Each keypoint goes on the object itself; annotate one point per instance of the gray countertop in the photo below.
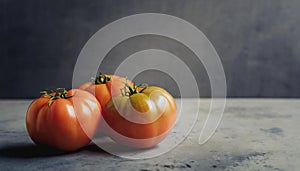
(254, 134)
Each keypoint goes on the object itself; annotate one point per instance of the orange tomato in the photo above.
(141, 117)
(104, 87)
(63, 119)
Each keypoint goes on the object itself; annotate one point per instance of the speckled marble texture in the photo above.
(254, 134)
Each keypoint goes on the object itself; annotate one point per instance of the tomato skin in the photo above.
(58, 124)
(104, 92)
(129, 127)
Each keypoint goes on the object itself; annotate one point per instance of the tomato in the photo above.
(63, 119)
(140, 117)
(104, 87)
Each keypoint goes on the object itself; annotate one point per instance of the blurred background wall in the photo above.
(258, 43)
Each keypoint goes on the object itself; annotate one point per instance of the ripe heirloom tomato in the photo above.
(63, 119)
(141, 117)
(104, 87)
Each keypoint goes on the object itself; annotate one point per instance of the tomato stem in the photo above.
(129, 90)
(59, 93)
(101, 79)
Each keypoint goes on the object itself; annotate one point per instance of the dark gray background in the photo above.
(258, 43)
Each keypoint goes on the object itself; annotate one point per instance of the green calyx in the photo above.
(59, 93)
(101, 79)
(129, 90)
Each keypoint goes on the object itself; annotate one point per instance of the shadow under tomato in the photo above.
(122, 149)
(30, 151)
(33, 151)
(93, 148)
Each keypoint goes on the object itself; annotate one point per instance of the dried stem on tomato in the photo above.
(129, 90)
(59, 93)
(101, 79)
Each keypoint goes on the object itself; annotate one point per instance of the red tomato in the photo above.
(63, 119)
(104, 87)
(141, 117)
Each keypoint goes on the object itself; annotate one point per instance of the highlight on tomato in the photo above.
(141, 117)
(53, 118)
(104, 86)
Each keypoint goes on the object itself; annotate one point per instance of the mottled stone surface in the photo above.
(254, 134)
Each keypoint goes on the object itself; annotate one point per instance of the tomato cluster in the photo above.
(140, 116)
